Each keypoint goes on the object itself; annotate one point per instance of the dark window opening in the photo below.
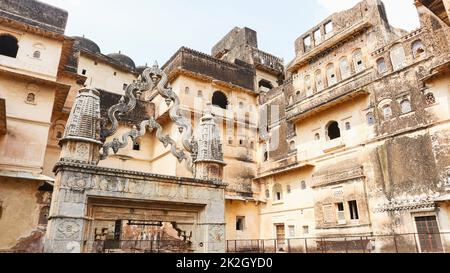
(1, 209)
(83, 72)
(59, 135)
(267, 194)
(354, 214)
(240, 223)
(333, 131)
(219, 99)
(288, 189)
(266, 156)
(118, 230)
(241, 142)
(136, 147)
(265, 85)
(9, 46)
(125, 86)
(43, 215)
(31, 98)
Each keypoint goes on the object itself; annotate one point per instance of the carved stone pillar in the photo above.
(80, 145)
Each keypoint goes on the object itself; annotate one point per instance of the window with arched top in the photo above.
(265, 85)
(9, 45)
(277, 192)
(200, 93)
(186, 90)
(370, 119)
(292, 146)
(387, 112)
(331, 75)
(37, 54)
(219, 99)
(381, 65)
(31, 98)
(348, 126)
(398, 57)
(333, 130)
(303, 185)
(308, 85)
(406, 106)
(418, 48)
(344, 66)
(358, 61)
(317, 137)
(319, 80)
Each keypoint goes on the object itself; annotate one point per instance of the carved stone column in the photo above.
(80, 145)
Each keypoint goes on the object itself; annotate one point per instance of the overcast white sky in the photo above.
(148, 30)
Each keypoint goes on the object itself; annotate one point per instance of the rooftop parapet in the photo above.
(239, 73)
(36, 14)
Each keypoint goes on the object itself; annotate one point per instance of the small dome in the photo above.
(123, 59)
(84, 43)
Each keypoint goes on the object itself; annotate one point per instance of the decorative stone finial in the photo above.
(80, 142)
(209, 161)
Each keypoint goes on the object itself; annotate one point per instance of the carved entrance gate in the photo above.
(97, 209)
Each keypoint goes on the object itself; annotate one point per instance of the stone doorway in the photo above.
(141, 227)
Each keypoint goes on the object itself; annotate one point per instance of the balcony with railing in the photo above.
(338, 93)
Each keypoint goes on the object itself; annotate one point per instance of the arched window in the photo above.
(200, 93)
(319, 80)
(398, 57)
(267, 194)
(43, 215)
(381, 64)
(303, 185)
(9, 45)
(37, 54)
(418, 48)
(370, 119)
(219, 99)
(345, 68)
(358, 61)
(31, 98)
(265, 85)
(333, 130)
(292, 145)
(265, 156)
(317, 137)
(348, 126)
(277, 192)
(331, 75)
(430, 99)
(406, 106)
(387, 112)
(186, 91)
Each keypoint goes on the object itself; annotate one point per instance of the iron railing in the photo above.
(397, 243)
(139, 246)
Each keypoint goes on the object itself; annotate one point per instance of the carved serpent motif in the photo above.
(149, 79)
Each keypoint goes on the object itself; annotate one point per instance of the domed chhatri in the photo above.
(123, 59)
(86, 44)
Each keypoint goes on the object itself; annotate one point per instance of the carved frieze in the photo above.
(409, 203)
(346, 175)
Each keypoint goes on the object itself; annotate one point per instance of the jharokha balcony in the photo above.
(343, 91)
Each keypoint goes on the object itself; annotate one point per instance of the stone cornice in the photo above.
(90, 169)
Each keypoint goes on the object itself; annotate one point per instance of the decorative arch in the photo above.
(9, 45)
(219, 99)
(358, 61)
(381, 65)
(333, 130)
(277, 192)
(344, 67)
(331, 75)
(418, 49)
